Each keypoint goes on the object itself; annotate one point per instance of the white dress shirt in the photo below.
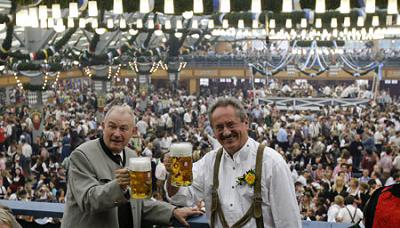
(279, 205)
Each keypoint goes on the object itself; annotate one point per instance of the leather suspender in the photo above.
(255, 209)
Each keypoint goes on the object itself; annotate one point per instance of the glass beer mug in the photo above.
(181, 162)
(140, 173)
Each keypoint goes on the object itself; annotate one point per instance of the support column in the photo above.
(193, 86)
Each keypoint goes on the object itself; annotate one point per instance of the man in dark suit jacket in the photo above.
(98, 194)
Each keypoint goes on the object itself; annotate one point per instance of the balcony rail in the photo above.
(56, 210)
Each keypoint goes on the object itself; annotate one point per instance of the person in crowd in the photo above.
(98, 194)
(350, 213)
(226, 197)
(334, 209)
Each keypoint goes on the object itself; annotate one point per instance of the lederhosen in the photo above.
(255, 209)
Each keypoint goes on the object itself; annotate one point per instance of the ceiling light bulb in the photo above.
(370, 6)
(287, 6)
(169, 7)
(73, 10)
(43, 12)
(110, 23)
(118, 7)
(256, 6)
(320, 6)
(92, 9)
(224, 6)
(198, 6)
(56, 11)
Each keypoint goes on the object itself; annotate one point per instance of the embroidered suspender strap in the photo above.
(215, 204)
(255, 209)
(257, 188)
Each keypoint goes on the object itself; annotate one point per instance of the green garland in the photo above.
(30, 87)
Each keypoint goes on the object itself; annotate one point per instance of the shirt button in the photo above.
(231, 205)
(233, 168)
(233, 187)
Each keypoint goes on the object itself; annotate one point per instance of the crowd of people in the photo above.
(337, 156)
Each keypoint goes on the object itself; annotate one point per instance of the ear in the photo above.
(246, 121)
(103, 125)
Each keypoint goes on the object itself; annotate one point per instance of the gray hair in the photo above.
(121, 109)
(225, 102)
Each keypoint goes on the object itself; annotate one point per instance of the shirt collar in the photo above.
(110, 154)
(242, 154)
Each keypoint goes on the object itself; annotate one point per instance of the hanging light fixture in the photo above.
(288, 23)
(370, 6)
(73, 10)
(144, 6)
(210, 24)
(198, 6)
(95, 23)
(303, 23)
(92, 9)
(50, 22)
(56, 11)
(240, 24)
(389, 19)
(33, 17)
(345, 6)
(272, 24)
(43, 12)
(195, 24)
(375, 21)
(360, 21)
(139, 23)
(43, 24)
(179, 24)
(70, 22)
(110, 23)
(225, 23)
(334, 23)
(150, 24)
(318, 23)
(224, 6)
(122, 23)
(346, 22)
(167, 24)
(254, 24)
(21, 17)
(256, 6)
(82, 22)
(118, 7)
(169, 7)
(287, 6)
(392, 7)
(320, 6)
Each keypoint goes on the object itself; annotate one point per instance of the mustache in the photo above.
(231, 135)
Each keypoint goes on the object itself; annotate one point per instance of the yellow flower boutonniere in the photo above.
(248, 178)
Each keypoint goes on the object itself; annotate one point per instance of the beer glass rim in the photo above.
(146, 160)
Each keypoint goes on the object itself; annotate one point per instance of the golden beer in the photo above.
(140, 174)
(181, 162)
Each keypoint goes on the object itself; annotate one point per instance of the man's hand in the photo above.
(122, 177)
(182, 213)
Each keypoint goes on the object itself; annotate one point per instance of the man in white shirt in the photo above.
(350, 213)
(334, 209)
(279, 206)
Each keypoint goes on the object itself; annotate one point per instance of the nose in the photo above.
(226, 131)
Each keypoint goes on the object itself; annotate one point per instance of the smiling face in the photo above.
(118, 129)
(229, 129)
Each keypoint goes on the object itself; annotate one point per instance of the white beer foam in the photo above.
(181, 149)
(140, 164)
